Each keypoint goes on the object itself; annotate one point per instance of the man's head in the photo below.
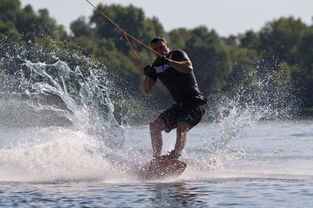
(160, 45)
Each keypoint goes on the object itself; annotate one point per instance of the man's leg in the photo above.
(182, 130)
(156, 127)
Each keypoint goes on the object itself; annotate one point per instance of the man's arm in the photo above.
(150, 78)
(148, 84)
(180, 61)
(181, 66)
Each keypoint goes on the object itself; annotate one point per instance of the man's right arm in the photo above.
(150, 78)
(148, 84)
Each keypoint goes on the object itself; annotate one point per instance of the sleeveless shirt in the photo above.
(183, 87)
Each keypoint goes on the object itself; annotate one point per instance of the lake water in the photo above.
(62, 146)
(266, 164)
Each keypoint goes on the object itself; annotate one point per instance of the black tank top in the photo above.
(183, 87)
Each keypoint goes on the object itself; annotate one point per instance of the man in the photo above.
(175, 71)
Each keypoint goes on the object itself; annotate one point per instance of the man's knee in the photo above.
(182, 128)
(157, 125)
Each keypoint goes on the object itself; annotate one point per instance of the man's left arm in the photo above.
(180, 61)
(181, 66)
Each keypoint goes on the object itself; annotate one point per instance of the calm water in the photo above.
(266, 164)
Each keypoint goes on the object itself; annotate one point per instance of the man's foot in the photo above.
(173, 154)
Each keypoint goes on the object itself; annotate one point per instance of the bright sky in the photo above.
(225, 16)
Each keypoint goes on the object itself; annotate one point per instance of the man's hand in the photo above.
(150, 72)
(161, 60)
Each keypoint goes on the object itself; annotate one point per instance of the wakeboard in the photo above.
(161, 168)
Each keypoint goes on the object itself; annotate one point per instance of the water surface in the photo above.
(268, 165)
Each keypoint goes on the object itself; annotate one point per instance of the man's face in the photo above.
(161, 48)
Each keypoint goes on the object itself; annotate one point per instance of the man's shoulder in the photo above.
(179, 55)
(178, 52)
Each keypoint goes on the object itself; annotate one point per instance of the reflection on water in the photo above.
(175, 195)
(214, 193)
(178, 194)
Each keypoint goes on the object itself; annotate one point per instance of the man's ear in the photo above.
(168, 46)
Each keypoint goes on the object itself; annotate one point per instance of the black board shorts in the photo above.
(177, 113)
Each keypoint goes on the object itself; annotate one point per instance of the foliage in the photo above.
(282, 48)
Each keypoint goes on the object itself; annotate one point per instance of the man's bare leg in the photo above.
(182, 130)
(156, 127)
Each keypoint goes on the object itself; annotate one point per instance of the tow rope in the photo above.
(126, 35)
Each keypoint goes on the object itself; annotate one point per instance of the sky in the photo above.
(224, 16)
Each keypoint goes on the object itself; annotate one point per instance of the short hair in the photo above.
(158, 39)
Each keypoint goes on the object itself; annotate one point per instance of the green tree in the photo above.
(281, 39)
(130, 18)
(210, 58)
(304, 77)
(25, 23)
(80, 28)
(178, 38)
(250, 40)
(9, 10)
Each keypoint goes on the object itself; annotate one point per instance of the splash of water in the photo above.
(87, 101)
(90, 143)
(262, 98)
(79, 133)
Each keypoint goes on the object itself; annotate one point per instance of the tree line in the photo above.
(282, 48)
